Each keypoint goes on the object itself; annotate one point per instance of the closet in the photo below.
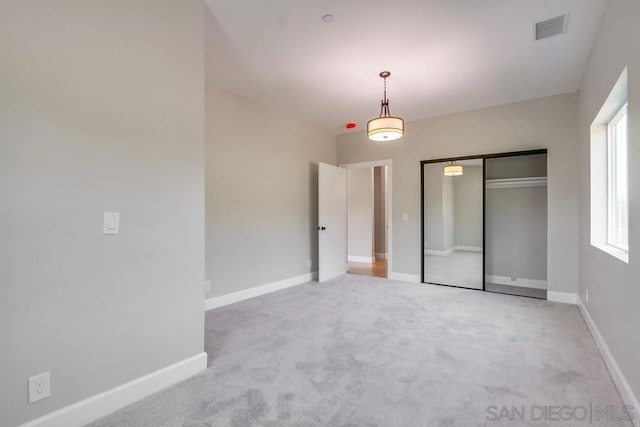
(516, 225)
(484, 222)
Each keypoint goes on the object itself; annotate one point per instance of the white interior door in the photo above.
(332, 222)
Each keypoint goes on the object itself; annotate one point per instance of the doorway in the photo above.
(368, 219)
(332, 219)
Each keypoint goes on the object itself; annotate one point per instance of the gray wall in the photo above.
(434, 234)
(613, 285)
(360, 212)
(261, 188)
(540, 123)
(101, 109)
(467, 191)
(516, 232)
(516, 219)
(453, 208)
(534, 165)
(380, 209)
(448, 212)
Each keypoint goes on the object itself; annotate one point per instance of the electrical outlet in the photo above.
(39, 387)
(586, 296)
(309, 263)
(207, 286)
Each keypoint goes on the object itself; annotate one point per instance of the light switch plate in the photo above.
(111, 223)
(405, 217)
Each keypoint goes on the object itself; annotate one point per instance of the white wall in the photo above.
(101, 109)
(261, 187)
(614, 287)
(360, 213)
(540, 123)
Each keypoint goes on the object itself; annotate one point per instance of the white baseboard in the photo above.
(94, 407)
(356, 258)
(246, 294)
(468, 248)
(439, 253)
(404, 277)
(381, 255)
(626, 393)
(564, 297)
(523, 283)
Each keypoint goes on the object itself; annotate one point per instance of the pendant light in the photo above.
(453, 169)
(385, 127)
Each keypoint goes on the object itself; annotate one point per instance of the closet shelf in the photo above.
(536, 181)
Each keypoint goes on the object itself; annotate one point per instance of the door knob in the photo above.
(322, 228)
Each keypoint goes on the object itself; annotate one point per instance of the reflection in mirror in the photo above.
(453, 223)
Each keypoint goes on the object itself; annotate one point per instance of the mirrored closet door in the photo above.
(453, 223)
(484, 222)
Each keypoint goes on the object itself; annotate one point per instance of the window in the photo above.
(617, 182)
(609, 174)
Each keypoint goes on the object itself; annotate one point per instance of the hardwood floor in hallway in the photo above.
(377, 269)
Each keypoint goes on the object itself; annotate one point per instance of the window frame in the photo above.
(612, 187)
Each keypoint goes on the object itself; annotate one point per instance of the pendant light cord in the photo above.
(384, 104)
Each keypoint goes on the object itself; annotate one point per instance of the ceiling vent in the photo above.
(551, 27)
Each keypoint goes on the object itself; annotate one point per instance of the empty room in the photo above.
(319, 213)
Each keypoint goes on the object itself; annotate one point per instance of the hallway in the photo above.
(377, 269)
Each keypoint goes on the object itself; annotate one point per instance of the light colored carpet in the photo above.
(516, 290)
(363, 351)
(460, 268)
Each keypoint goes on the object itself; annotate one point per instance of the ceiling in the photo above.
(445, 56)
